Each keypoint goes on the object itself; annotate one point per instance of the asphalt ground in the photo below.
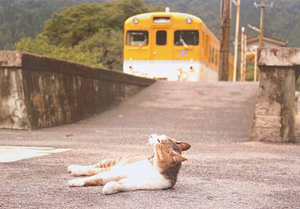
(223, 170)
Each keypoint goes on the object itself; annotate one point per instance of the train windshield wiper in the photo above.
(144, 42)
(183, 42)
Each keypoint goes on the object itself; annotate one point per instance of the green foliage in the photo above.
(25, 18)
(74, 24)
(81, 22)
(250, 72)
(90, 33)
(42, 46)
(107, 45)
(103, 49)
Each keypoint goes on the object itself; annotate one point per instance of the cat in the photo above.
(135, 172)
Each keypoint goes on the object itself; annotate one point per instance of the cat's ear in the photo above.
(183, 146)
(178, 158)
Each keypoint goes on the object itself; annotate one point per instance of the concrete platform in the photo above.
(223, 170)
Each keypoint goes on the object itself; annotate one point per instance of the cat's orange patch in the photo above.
(120, 182)
(93, 182)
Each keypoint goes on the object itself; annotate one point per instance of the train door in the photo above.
(161, 53)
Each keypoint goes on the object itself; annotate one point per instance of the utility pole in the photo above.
(255, 63)
(224, 44)
(237, 25)
(253, 50)
(243, 54)
(262, 19)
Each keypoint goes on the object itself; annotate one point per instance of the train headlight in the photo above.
(188, 20)
(135, 20)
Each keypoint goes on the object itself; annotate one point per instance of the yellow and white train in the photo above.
(172, 46)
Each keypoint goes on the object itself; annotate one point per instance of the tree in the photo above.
(41, 45)
(81, 22)
(90, 33)
(25, 18)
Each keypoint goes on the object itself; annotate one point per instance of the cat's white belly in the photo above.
(141, 172)
(138, 175)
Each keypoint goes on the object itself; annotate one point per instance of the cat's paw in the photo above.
(77, 170)
(76, 183)
(110, 187)
(72, 167)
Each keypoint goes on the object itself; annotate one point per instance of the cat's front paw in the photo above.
(110, 187)
(77, 170)
(72, 167)
(76, 183)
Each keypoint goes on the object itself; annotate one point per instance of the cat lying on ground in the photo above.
(134, 172)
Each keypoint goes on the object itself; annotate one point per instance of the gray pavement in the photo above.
(224, 169)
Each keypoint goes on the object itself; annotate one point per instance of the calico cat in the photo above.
(135, 172)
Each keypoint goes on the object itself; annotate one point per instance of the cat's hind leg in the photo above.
(77, 170)
(136, 183)
(103, 166)
(97, 180)
(86, 182)
(124, 185)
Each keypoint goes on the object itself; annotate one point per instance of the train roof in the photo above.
(176, 15)
(146, 20)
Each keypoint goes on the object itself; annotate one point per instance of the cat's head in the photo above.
(167, 151)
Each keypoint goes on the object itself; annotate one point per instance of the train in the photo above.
(172, 46)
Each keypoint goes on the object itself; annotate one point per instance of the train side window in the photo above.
(209, 53)
(203, 40)
(204, 43)
(216, 58)
(161, 37)
(206, 48)
(213, 55)
(137, 38)
(188, 37)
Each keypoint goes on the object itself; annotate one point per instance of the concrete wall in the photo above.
(274, 119)
(38, 91)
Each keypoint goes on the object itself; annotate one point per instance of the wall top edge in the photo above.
(10, 59)
(28, 61)
(279, 56)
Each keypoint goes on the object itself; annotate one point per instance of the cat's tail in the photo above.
(106, 164)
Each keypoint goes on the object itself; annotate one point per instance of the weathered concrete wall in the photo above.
(38, 91)
(274, 118)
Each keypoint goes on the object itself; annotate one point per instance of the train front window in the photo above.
(186, 37)
(137, 38)
(161, 37)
